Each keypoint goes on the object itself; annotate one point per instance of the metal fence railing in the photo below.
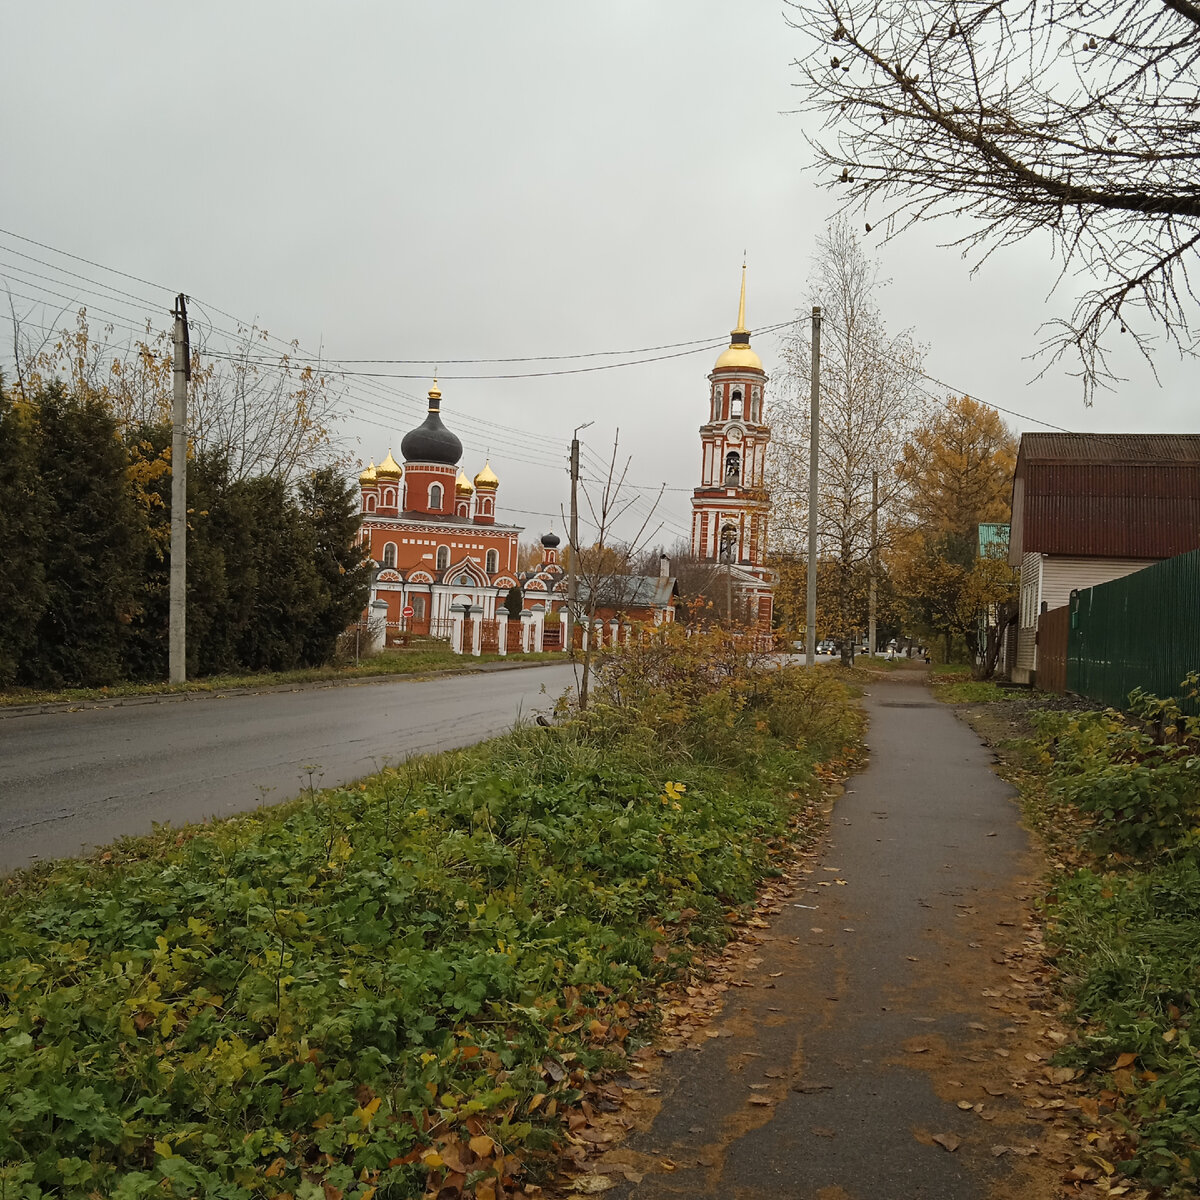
(1139, 631)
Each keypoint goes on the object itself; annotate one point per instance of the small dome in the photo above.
(389, 468)
(550, 540)
(487, 477)
(462, 485)
(368, 476)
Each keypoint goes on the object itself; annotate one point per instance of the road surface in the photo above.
(70, 780)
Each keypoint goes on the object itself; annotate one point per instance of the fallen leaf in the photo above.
(1124, 1060)
(482, 1145)
(947, 1141)
(965, 1105)
(592, 1185)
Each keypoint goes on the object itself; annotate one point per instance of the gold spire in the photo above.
(368, 476)
(741, 325)
(462, 485)
(435, 394)
(487, 477)
(389, 468)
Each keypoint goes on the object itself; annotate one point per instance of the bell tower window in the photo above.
(733, 467)
(728, 544)
(716, 402)
(735, 406)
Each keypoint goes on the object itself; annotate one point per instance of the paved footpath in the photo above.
(868, 1018)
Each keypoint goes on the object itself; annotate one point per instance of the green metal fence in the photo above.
(1140, 631)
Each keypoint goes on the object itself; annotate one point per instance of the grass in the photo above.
(1121, 911)
(414, 983)
(389, 662)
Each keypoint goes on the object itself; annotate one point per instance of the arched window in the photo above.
(492, 562)
(487, 506)
(389, 554)
(370, 504)
(435, 496)
(716, 405)
(443, 557)
(728, 543)
(735, 406)
(389, 498)
(733, 467)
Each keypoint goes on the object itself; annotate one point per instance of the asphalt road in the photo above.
(70, 780)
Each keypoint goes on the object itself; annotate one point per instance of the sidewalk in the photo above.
(883, 1042)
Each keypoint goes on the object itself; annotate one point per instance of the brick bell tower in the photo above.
(731, 505)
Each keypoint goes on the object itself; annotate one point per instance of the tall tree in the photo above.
(1024, 116)
(869, 400)
(956, 471)
(332, 519)
(24, 529)
(94, 548)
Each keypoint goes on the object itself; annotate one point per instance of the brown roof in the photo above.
(1155, 448)
(1125, 495)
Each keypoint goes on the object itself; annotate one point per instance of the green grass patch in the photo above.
(971, 691)
(415, 661)
(380, 990)
(1117, 799)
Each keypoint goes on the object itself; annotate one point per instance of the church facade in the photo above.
(433, 532)
(730, 507)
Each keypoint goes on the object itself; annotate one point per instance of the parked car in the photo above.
(828, 646)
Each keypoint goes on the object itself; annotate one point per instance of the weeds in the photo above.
(404, 987)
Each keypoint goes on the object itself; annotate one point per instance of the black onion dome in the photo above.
(550, 540)
(431, 441)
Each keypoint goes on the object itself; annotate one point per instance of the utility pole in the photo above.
(810, 639)
(573, 537)
(177, 639)
(874, 563)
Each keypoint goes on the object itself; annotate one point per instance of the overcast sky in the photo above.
(460, 180)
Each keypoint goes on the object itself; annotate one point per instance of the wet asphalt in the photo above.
(857, 992)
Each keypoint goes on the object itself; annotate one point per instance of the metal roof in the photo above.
(1150, 448)
(1127, 495)
(631, 591)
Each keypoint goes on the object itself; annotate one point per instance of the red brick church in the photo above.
(434, 532)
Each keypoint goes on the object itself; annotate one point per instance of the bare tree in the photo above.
(1078, 119)
(264, 416)
(605, 579)
(869, 401)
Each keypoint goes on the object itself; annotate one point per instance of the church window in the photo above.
(756, 408)
(735, 406)
(389, 498)
(435, 495)
(492, 563)
(733, 467)
(389, 554)
(418, 606)
(716, 404)
(443, 557)
(370, 504)
(728, 543)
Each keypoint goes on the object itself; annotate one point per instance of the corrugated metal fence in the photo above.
(1139, 631)
(1052, 638)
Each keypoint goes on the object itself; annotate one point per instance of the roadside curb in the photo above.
(64, 706)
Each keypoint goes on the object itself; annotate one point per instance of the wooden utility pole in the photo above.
(810, 637)
(177, 639)
(874, 562)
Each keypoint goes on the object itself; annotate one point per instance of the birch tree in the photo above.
(870, 400)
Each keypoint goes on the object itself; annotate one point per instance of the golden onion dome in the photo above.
(368, 476)
(487, 477)
(389, 468)
(739, 356)
(462, 485)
